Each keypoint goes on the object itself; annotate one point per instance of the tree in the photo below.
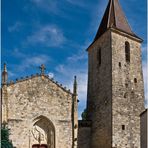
(5, 142)
(84, 114)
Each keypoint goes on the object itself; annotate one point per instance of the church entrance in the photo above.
(43, 133)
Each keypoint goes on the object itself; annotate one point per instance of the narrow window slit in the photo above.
(123, 127)
(126, 85)
(127, 52)
(120, 64)
(135, 80)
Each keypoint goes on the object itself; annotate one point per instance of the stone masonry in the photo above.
(115, 83)
(144, 129)
(127, 92)
(99, 93)
(40, 104)
(38, 110)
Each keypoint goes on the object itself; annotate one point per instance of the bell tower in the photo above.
(115, 96)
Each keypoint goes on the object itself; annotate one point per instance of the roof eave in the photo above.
(133, 36)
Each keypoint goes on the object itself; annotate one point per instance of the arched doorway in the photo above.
(43, 133)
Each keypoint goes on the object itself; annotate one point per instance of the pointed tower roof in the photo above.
(114, 18)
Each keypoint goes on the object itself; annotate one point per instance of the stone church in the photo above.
(41, 113)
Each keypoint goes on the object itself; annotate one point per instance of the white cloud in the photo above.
(55, 5)
(66, 74)
(82, 84)
(36, 60)
(82, 55)
(50, 36)
(15, 27)
(76, 57)
(47, 5)
(144, 48)
(17, 53)
(79, 3)
(32, 61)
(11, 74)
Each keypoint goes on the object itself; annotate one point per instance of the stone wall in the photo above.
(36, 98)
(144, 129)
(115, 91)
(127, 92)
(84, 134)
(99, 92)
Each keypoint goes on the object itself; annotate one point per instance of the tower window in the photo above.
(123, 127)
(135, 80)
(120, 64)
(126, 85)
(99, 56)
(127, 52)
(125, 95)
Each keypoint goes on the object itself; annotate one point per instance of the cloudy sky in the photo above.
(56, 33)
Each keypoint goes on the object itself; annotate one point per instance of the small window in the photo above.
(120, 64)
(123, 127)
(99, 56)
(127, 52)
(126, 85)
(125, 95)
(135, 80)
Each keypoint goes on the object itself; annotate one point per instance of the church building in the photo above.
(41, 113)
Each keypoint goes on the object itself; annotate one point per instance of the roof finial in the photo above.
(4, 75)
(75, 86)
(42, 68)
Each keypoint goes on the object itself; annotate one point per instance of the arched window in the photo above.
(127, 52)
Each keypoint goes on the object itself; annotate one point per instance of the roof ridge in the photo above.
(21, 79)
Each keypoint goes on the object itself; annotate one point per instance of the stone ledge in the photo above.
(84, 123)
(15, 120)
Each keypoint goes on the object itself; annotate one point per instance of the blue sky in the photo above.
(56, 33)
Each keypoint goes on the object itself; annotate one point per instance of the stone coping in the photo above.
(22, 79)
(84, 123)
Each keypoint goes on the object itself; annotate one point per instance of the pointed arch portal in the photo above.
(43, 133)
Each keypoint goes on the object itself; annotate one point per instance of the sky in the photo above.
(56, 33)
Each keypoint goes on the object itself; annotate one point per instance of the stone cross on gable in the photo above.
(42, 68)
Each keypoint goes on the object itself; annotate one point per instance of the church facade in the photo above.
(42, 113)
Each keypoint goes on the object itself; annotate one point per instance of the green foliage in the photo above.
(84, 115)
(5, 142)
